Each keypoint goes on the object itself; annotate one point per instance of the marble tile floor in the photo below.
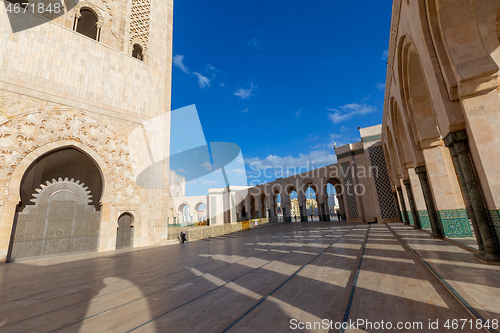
(253, 281)
(467, 241)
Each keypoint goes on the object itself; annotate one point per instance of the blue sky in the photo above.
(284, 80)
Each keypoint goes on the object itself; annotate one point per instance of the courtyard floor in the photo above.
(271, 279)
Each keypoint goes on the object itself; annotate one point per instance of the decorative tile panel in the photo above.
(455, 223)
(410, 216)
(352, 206)
(382, 183)
(424, 219)
(495, 222)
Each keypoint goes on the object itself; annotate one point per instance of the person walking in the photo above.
(183, 237)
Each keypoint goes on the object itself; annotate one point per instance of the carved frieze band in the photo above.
(23, 134)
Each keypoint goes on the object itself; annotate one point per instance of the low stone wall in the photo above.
(195, 233)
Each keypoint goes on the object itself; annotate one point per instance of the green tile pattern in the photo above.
(424, 219)
(495, 222)
(402, 216)
(410, 217)
(455, 223)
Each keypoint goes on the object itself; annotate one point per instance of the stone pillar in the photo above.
(340, 199)
(413, 208)
(321, 212)
(468, 204)
(398, 207)
(458, 142)
(326, 209)
(403, 206)
(303, 217)
(437, 228)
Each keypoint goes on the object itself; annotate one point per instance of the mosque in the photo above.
(85, 169)
(85, 110)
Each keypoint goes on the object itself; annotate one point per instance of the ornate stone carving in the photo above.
(139, 23)
(23, 134)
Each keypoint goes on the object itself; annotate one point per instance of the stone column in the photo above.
(398, 208)
(437, 228)
(468, 204)
(342, 205)
(458, 140)
(303, 217)
(403, 206)
(326, 209)
(285, 218)
(321, 212)
(413, 208)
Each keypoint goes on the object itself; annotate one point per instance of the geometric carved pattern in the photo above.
(382, 184)
(60, 221)
(21, 135)
(139, 22)
(352, 206)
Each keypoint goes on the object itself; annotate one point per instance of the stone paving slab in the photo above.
(477, 283)
(258, 283)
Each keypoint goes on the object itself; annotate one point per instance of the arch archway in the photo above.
(184, 214)
(293, 205)
(125, 231)
(308, 203)
(58, 211)
(86, 23)
(200, 212)
(333, 201)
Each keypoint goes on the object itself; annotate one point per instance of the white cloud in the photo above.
(297, 114)
(385, 55)
(311, 138)
(207, 166)
(177, 60)
(244, 93)
(238, 171)
(315, 158)
(208, 182)
(202, 80)
(347, 111)
(245, 111)
(380, 86)
(222, 84)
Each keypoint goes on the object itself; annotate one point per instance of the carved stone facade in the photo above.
(25, 133)
(61, 90)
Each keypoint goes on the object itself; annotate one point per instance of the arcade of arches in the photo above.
(441, 117)
(355, 189)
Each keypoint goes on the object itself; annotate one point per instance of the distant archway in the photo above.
(334, 205)
(200, 211)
